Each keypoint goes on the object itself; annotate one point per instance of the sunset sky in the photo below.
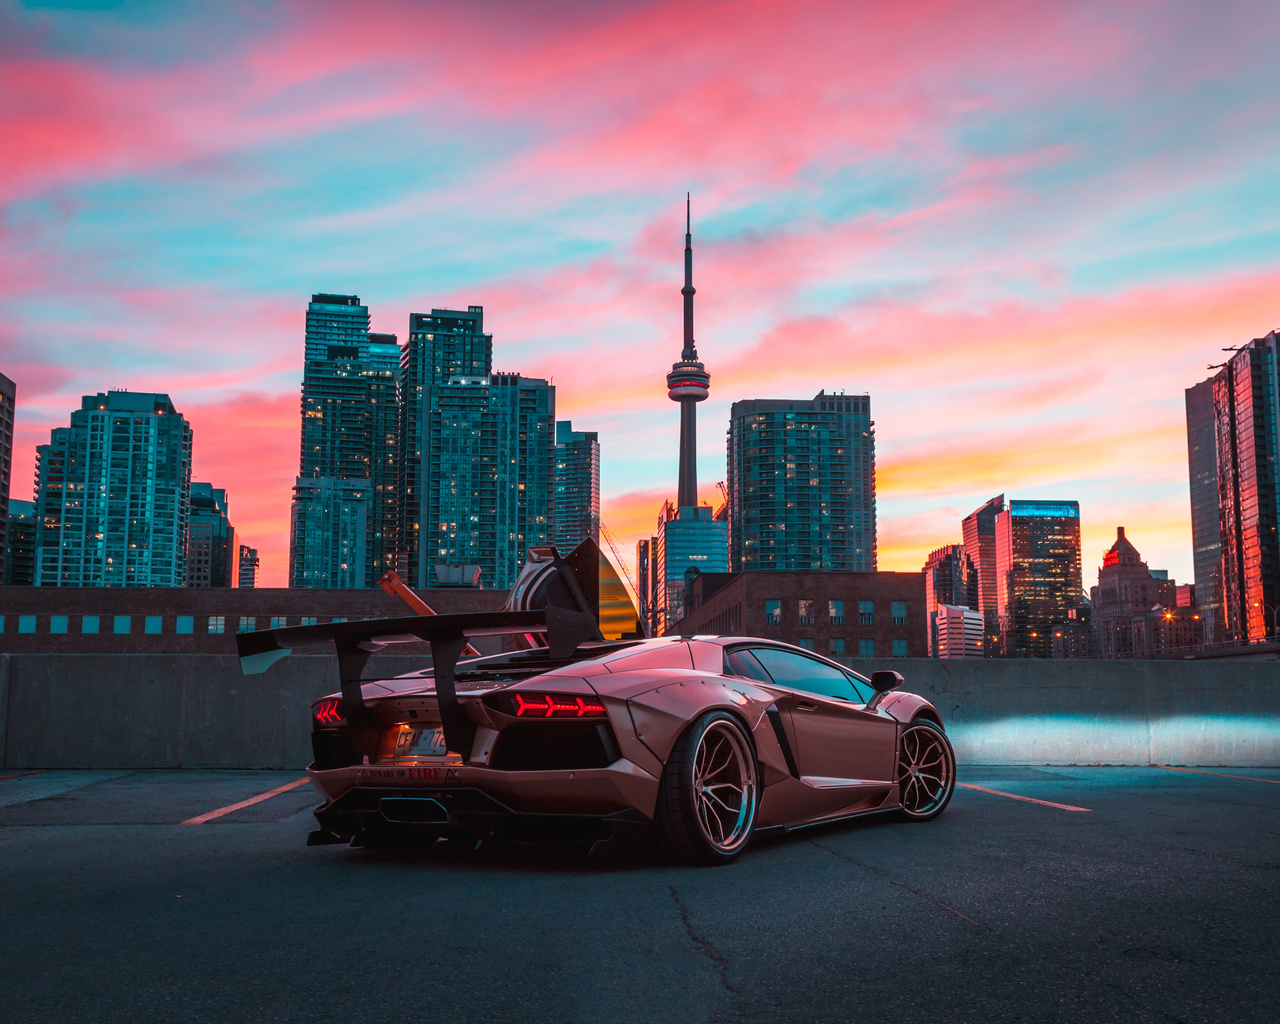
(1023, 228)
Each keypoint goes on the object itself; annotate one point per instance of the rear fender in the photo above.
(662, 714)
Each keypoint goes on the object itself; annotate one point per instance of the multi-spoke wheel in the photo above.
(710, 790)
(926, 770)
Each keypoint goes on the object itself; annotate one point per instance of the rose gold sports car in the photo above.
(706, 741)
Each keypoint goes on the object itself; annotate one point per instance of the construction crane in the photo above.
(396, 587)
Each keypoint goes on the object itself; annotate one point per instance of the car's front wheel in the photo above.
(710, 792)
(926, 770)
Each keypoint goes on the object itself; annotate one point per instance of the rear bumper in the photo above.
(442, 798)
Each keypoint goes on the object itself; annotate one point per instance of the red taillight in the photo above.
(552, 705)
(328, 712)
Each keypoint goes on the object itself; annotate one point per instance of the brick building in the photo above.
(191, 620)
(839, 614)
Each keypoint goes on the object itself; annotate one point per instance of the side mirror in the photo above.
(882, 682)
(886, 680)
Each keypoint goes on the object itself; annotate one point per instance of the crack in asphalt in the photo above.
(718, 958)
(893, 881)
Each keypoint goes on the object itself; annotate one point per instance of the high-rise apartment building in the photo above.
(8, 391)
(211, 539)
(1037, 573)
(1247, 435)
(20, 560)
(329, 533)
(348, 438)
(113, 494)
(443, 345)
(477, 454)
(802, 484)
(978, 532)
(1206, 534)
(576, 506)
(950, 579)
(248, 575)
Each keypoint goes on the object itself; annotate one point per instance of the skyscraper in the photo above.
(688, 537)
(348, 448)
(8, 391)
(978, 530)
(576, 508)
(478, 453)
(211, 539)
(950, 579)
(113, 494)
(1206, 535)
(802, 484)
(1247, 433)
(1037, 573)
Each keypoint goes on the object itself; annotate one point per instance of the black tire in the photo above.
(925, 791)
(699, 818)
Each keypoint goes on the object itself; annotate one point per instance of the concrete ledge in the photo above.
(197, 710)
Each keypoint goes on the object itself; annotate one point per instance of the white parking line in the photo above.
(200, 819)
(1028, 799)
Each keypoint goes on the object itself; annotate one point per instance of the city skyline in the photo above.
(1026, 253)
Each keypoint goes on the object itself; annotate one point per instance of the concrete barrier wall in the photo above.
(164, 711)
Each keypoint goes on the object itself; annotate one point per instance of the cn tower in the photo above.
(688, 382)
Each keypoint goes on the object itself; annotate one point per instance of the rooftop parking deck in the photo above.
(1047, 894)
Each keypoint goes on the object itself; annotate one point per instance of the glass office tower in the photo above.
(1037, 573)
(688, 538)
(20, 560)
(802, 484)
(1245, 396)
(8, 392)
(330, 523)
(576, 509)
(1206, 535)
(950, 578)
(113, 495)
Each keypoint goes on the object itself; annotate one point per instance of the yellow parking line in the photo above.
(1195, 771)
(1028, 799)
(200, 819)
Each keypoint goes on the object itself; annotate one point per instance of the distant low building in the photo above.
(1138, 612)
(842, 615)
(957, 632)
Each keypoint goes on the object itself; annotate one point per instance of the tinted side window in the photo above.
(808, 674)
(741, 663)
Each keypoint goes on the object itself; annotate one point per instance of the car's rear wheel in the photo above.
(926, 770)
(710, 792)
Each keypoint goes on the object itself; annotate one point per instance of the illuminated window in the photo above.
(279, 621)
(773, 613)
(866, 613)
(217, 623)
(248, 624)
(835, 611)
(805, 609)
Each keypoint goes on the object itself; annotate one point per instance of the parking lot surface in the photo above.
(1157, 898)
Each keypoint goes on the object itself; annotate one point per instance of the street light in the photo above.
(1273, 609)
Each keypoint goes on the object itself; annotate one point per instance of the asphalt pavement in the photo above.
(1156, 900)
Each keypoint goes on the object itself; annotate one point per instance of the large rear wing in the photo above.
(356, 642)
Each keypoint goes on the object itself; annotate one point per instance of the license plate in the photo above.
(419, 741)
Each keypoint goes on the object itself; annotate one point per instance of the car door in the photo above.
(837, 741)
